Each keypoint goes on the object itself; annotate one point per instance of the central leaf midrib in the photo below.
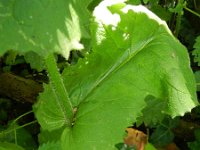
(119, 64)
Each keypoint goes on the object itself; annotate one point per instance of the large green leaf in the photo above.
(134, 57)
(43, 26)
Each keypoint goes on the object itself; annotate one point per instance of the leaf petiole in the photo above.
(56, 82)
(191, 11)
(19, 127)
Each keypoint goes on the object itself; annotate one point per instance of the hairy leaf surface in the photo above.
(50, 112)
(134, 57)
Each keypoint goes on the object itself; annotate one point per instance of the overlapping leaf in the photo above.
(50, 112)
(9, 146)
(42, 26)
(134, 57)
(21, 136)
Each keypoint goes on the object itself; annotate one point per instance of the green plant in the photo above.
(135, 61)
(196, 51)
(163, 134)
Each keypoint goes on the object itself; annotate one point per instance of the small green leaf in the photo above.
(10, 58)
(36, 61)
(153, 112)
(196, 51)
(145, 1)
(163, 134)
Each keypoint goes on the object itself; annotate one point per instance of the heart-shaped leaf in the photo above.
(134, 57)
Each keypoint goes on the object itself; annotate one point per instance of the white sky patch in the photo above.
(103, 15)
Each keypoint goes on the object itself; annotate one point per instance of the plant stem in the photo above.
(15, 133)
(191, 11)
(27, 113)
(178, 23)
(178, 20)
(19, 127)
(59, 89)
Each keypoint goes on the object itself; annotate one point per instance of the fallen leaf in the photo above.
(135, 137)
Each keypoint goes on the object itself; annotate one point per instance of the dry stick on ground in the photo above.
(18, 88)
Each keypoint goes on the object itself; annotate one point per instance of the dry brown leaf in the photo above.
(135, 137)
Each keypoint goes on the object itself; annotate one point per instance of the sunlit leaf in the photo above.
(43, 26)
(134, 57)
